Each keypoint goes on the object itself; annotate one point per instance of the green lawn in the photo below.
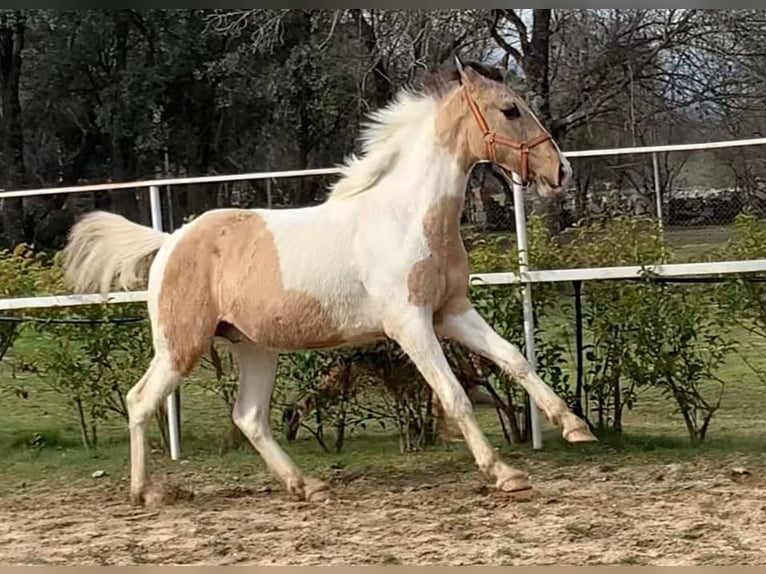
(40, 443)
(39, 437)
(689, 244)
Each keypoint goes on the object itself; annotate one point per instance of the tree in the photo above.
(12, 31)
(627, 77)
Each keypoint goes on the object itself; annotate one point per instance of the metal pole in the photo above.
(529, 319)
(268, 193)
(168, 196)
(174, 398)
(657, 189)
(578, 406)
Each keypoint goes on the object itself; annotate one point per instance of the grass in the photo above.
(690, 244)
(40, 445)
(39, 438)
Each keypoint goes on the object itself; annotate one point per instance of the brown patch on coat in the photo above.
(441, 279)
(223, 278)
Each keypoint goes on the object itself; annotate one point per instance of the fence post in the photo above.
(657, 187)
(529, 319)
(579, 409)
(173, 399)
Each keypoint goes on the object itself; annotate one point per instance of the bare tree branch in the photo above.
(493, 30)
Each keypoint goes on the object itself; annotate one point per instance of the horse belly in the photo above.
(291, 321)
(321, 312)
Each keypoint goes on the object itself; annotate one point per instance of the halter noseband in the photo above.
(491, 138)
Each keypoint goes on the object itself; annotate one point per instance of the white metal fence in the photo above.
(525, 276)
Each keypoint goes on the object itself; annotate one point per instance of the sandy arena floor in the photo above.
(661, 515)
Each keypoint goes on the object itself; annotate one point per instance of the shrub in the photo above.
(608, 311)
(91, 358)
(743, 299)
(679, 340)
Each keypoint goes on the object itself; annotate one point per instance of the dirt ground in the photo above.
(662, 515)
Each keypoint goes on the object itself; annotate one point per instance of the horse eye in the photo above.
(512, 112)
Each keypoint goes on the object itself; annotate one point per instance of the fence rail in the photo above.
(170, 182)
(336, 170)
(666, 148)
(46, 301)
(621, 272)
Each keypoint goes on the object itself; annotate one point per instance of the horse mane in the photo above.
(387, 128)
(381, 139)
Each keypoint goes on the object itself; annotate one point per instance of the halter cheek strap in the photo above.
(491, 139)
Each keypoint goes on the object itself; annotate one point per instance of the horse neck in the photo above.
(425, 175)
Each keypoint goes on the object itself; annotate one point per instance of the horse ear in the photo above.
(466, 74)
(504, 61)
(458, 63)
(460, 69)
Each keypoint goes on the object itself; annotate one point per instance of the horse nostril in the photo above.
(562, 174)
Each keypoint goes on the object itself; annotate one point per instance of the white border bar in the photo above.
(477, 279)
(169, 182)
(621, 272)
(665, 148)
(71, 300)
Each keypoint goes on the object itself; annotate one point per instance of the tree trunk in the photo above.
(345, 384)
(617, 403)
(12, 28)
(534, 59)
(690, 427)
(123, 157)
(430, 421)
(382, 90)
(536, 64)
(297, 33)
(83, 424)
(582, 182)
(702, 433)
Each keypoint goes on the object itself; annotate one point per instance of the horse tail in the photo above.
(103, 247)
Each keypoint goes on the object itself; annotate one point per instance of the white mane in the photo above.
(385, 135)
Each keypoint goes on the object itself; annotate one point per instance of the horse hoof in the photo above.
(512, 481)
(316, 490)
(511, 485)
(158, 494)
(579, 435)
(137, 498)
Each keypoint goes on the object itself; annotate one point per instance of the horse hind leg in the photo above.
(160, 379)
(258, 369)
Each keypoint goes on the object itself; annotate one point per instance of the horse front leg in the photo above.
(413, 331)
(469, 329)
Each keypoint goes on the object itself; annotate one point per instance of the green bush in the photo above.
(23, 272)
(745, 300)
(680, 338)
(91, 365)
(608, 312)
(639, 335)
(89, 355)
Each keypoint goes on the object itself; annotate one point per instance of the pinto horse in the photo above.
(382, 257)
